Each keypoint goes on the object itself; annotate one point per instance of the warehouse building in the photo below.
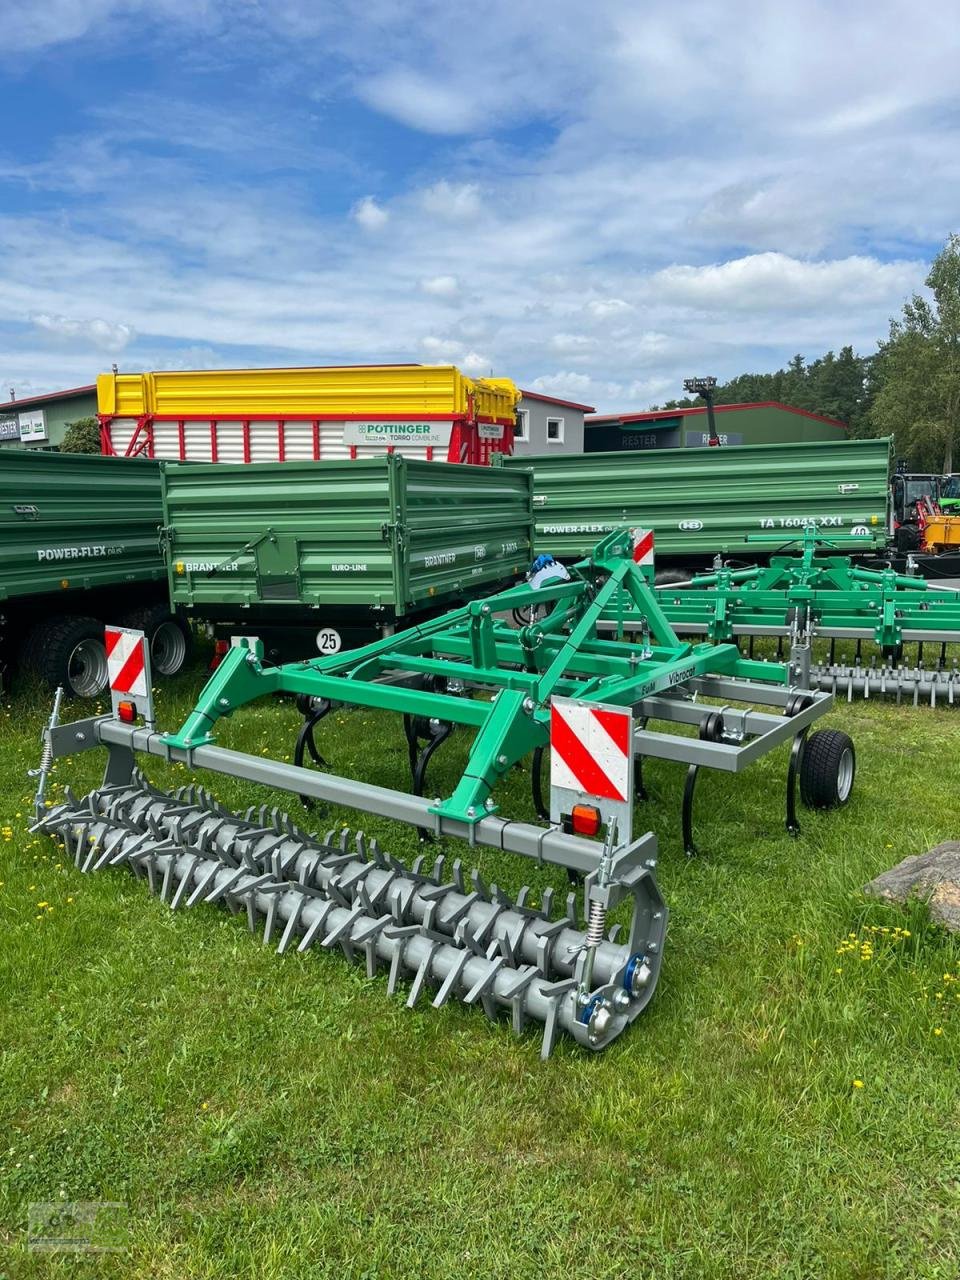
(39, 422)
(768, 422)
(546, 424)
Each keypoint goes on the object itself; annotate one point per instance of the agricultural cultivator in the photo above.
(554, 683)
(875, 633)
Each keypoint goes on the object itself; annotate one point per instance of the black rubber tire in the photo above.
(670, 577)
(828, 768)
(169, 652)
(68, 650)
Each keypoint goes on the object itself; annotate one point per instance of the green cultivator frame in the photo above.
(702, 705)
(815, 595)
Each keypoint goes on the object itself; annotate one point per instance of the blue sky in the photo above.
(595, 200)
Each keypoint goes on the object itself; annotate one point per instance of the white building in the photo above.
(548, 425)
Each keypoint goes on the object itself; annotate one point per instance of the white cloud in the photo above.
(603, 307)
(370, 215)
(776, 282)
(453, 201)
(474, 363)
(422, 103)
(441, 286)
(442, 348)
(100, 334)
(572, 343)
(565, 383)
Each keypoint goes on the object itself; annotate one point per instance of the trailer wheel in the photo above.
(68, 651)
(827, 769)
(170, 639)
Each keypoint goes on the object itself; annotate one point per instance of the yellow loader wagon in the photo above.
(431, 412)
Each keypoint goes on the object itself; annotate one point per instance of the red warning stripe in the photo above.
(131, 670)
(112, 639)
(617, 725)
(578, 760)
(643, 546)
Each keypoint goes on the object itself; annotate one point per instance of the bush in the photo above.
(82, 436)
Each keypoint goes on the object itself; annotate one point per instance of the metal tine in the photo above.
(400, 899)
(457, 873)
(422, 974)
(333, 891)
(312, 930)
(204, 884)
(451, 981)
(486, 929)
(223, 889)
(377, 855)
(436, 875)
(457, 913)
(476, 879)
(269, 918)
(344, 927)
(545, 943)
(167, 880)
(615, 933)
(91, 855)
(399, 938)
(555, 995)
(546, 902)
(573, 910)
(110, 850)
(345, 881)
(368, 940)
(378, 895)
(292, 924)
(481, 989)
(498, 895)
(184, 885)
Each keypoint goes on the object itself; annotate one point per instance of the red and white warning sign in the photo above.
(126, 660)
(128, 670)
(642, 546)
(590, 749)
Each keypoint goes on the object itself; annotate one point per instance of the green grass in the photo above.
(282, 1117)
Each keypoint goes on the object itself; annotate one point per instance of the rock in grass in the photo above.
(933, 876)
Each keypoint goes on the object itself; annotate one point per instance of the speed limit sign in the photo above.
(328, 641)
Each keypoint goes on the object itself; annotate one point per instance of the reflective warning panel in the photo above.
(128, 670)
(591, 760)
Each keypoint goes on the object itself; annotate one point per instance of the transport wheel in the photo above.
(827, 769)
(68, 651)
(170, 639)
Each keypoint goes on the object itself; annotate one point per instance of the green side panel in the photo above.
(79, 520)
(701, 501)
(762, 424)
(387, 531)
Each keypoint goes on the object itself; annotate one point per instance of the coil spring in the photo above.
(596, 923)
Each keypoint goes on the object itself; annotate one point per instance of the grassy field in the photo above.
(788, 1106)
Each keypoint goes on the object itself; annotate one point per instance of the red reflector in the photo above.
(127, 711)
(220, 647)
(585, 820)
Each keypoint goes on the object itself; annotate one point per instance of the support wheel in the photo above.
(169, 636)
(827, 769)
(69, 651)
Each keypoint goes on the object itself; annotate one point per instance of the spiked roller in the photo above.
(450, 939)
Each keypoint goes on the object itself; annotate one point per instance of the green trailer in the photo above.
(79, 548)
(319, 556)
(705, 502)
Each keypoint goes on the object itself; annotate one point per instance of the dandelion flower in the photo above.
(858, 1084)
